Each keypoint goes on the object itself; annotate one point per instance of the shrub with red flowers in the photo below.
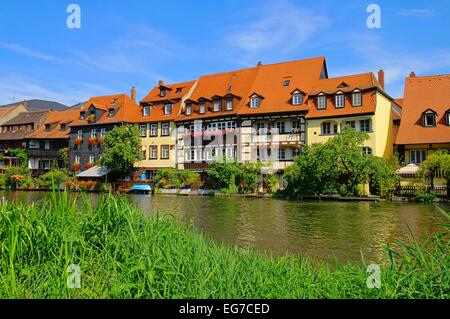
(100, 140)
(78, 141)
(92, 141)
(76, 167)
(90, 165)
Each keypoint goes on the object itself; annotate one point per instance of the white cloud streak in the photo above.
(422, 13)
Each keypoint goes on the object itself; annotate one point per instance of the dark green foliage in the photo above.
(122, 149)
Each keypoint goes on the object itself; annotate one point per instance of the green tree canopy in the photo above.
(438, 162)
(122, 150)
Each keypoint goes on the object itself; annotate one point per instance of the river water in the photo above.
(321, 230)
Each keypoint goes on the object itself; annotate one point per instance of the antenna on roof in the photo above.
(259, 63)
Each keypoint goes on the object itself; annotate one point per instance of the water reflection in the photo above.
(317, 229)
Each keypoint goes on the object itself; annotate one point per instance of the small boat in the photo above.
(141, 189)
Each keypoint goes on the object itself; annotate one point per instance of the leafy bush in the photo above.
(173, 178)
(425, 197)
(272, 183)
(54, 177)
(12, 180)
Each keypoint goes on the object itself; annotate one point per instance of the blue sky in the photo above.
(126, 43)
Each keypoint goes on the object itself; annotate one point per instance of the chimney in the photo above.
(412, 74)
(259, 63)
(381, 78)
(160, 82)
(133, 93)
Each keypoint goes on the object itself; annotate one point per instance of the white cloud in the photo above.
(423, 13)
(279, 26)
(23, 88)
(29, 52)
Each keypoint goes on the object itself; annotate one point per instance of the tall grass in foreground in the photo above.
(124, 254)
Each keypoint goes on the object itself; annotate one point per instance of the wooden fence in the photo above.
(411, 191)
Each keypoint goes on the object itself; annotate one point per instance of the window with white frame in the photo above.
(153, 152)
(202, 108)
(188, 109)
(144, 154)
(162, 93)
(351, 124)
(448, 117)
(46, 145)
(321, 102)
(216, 106)
(329, 128)
(429, 119)
(297, 99)
(356, 99)
(339, 101)
(103, 132)
(146, 111)
(229, 105)
(255, 102)
(154, 129)
(168, 109)
(92, 158)
(94, 133)
(77, 159)
(143, 130)
(80, 134)
(165, 152)
(165, 129)
(364, 125)
(46, 165)
(281, 154)
(366, 150)
(33, 144)
(281, 127)
(417, 156)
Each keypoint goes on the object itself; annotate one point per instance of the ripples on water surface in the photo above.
(316, 229)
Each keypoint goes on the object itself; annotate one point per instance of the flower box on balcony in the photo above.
(100, 140)
(76, 167)
(78, 141)
(90, 165)
(91, 118)
(92, 141)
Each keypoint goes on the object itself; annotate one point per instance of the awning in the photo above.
(94, 172)
(409, 169)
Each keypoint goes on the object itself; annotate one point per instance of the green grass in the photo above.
(123, 254)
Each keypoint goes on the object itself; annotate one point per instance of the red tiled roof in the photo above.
(365, 82)
(422, 93)
(54, 119)
(126, 110)
(171, 92)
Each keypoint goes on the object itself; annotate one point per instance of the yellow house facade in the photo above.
(358, 101)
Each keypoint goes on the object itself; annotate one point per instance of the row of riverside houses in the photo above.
(266, 113)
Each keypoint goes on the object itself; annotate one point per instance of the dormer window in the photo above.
(230, 105)
(356, 99)
(82, 115)
(202, 109)
(286, 83)
(111, 113)
(255, 101)
(47, 127)
(447, 115)
(63, 127)
(429, 118)
(113, 102)
(146, 111)
(168, 109)
(188, 109)
(216, 106)
(321, 102)
(162, 93)
(339, 100)
(297, 98)
(178, 90)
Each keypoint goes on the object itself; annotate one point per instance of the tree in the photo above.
(438, 162)
(339, 167)
(224, 174)
(122, 150)
(64, 156)
(248, 176)
(21, 156)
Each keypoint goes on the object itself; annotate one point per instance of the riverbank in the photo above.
(123, 254)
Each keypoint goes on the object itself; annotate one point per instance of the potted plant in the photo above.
(76, 167)
(91, 118)
(78, 141)
(92, 140)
